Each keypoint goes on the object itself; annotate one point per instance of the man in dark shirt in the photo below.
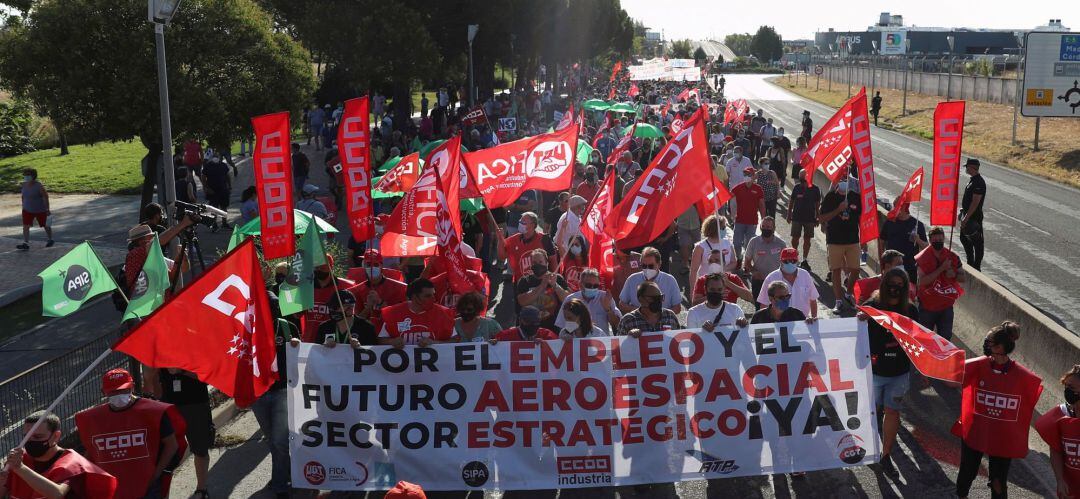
(301, 167)
(802, 215)
(971, 215)
(217, 184)
(779, 309)
(190, 396)
(840, 218)
(875, 106)
(905, 234)
(272, 413)
(542, 289)
(344, 326)
(807, 126)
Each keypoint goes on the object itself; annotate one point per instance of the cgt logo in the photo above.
(121, 446)
(995, 405)
(712, 464)
(850, 450)
(549, 160)
(314, 473)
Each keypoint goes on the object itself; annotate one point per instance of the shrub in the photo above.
(15, 120)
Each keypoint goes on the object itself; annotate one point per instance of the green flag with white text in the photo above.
(297, 293)
(73, 280)
(148, 292)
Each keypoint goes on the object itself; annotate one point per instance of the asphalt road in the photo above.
(1032, 241)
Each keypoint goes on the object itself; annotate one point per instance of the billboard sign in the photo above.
(1051, 75)
(892, 42)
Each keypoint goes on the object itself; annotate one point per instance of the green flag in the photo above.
(584, 151)
(148, 293)
(236, 238)
(72, 280)
(297, 293)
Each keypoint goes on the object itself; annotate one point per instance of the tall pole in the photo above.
(472, 79)
(169, 177)
(904, 111)
(1019, 83)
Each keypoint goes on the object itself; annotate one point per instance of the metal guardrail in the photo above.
(36, 388)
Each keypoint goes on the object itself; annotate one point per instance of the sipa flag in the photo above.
(402, 176)
(864, 154)
(272, 161)
(219, 327)
(948, 141)
(72, 280)
(830, 148)
(150, 286)
(354, 135)
(931, 354)
(912, 192)
(297, 293)
(544, 162)
(679, 175)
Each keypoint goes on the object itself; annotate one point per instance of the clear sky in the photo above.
(705, 19)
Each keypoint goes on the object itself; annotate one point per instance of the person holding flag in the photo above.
(939, 278)
(377, 290)
(344, 327)
(326, 286)
(41, 468)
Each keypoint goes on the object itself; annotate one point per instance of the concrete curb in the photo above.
(19, 293)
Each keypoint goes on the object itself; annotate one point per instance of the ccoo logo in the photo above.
(77, 282)
(549, 160)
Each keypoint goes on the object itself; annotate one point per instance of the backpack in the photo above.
(120, 292)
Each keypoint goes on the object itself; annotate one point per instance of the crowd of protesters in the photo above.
(732, 268)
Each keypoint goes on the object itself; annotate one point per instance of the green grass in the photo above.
(104, 168)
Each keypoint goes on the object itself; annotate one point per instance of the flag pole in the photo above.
(64, 394)
(111, 276)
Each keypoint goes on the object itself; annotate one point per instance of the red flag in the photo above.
(544, 162)
(622, 146)
(272, 160)
(402, 176)
(615, 70)
(864, 152)
(601, 246)
(678, 176)
(354, 149)
(400, 245)
(912, 192)
(734, 110)
(603, 128)
(830, 148)
(219, 327)
(449, 239)
(695, 93)
(611, 93)
(712, 201)
(931, 354)
(634, 90)
(474, 116)
(948, 141)
(567, 118)
(684, 95)
(664, 110)
(676, 127)
(415, 214)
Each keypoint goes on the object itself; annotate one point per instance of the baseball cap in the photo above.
(310, 189)
(139, 231)
(372, 257)
(405, 490)
(345, 297)
(116, 379)
(973, 162)
(529, 315)
(788, 254)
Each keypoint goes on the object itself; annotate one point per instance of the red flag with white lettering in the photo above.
(948, 141)
(912, 192)
(567, 118)
(415, 214)
(219, 327)
(402, 176)
(678, 176)
(931, 354)
(400, 245)
(622, 146)
(712, 202)
(603, 128)
(272, 161)
(449, 236)
(864, 154)
(601, 245)
(676, 126)
(830, 148)
(543, 162)
(354, 135)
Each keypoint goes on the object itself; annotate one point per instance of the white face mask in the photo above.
(570, 327)
(27, 178)
(575, 250)
(120, 400)
(651, 274)
(715, 268)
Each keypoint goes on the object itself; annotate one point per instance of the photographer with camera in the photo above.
(153, 215)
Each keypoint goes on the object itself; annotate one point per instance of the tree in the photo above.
(700, 56)
(767, 45)
(680, 49)
(739, 43)
(225, 65)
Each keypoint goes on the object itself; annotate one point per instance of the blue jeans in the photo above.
(941, 322)
(272, 412)
(743, 234)
(889, 391)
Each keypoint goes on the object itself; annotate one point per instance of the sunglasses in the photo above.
(589, 285)
(648, 265)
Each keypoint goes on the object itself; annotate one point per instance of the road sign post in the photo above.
(1051, 82)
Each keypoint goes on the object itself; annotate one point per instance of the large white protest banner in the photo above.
(666, 407)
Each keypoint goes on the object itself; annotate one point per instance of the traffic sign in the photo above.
(818, 70)
(1051, 75)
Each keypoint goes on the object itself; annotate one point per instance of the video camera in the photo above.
(199, 213)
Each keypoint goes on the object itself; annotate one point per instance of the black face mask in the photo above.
(279, 278)
(714, 297)
(336, 315)
(937, 245)
(539, 269)
(468, 315)
(37, 448)
(321, 275)
(767, 232)
(1071, 397)
(894, 291)
(529, 330)
(655, 306)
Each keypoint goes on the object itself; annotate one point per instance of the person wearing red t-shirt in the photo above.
(41, 468)
(325, 290)
(939, 279)
(1060, 429)
(749, 205)
(865, 287)
(377, 291)
(418, 321)
(517, 248)
(575, 260)
(528, 328)
(734, 287)
(997, 401)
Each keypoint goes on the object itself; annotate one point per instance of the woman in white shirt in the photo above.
(712, 239)
(578, 322)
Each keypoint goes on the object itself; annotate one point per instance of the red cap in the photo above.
(748, 170)
(405, 490)
(117, 379)
(789, 254)
(372, 257)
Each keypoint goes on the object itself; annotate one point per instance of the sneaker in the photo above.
(23, 247)
(50, 243)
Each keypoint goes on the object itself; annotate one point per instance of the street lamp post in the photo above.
(473, 28)
(907, 55)
(948, 86)
(160, 12)
(873, 71)
(1019, 83)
